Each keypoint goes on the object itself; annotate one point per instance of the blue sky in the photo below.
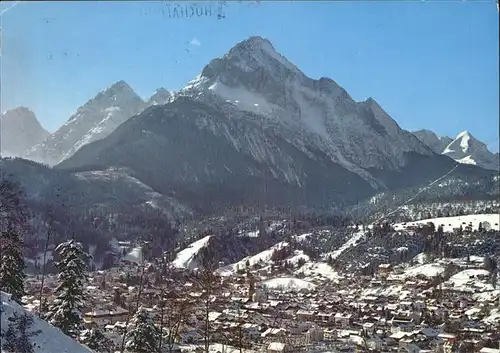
(429, 64)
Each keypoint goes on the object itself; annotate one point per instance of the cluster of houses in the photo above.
(387, 312)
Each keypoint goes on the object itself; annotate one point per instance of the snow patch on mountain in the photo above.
(464, 149)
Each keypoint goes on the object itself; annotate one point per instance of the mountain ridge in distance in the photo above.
(94, 120)
(20, 130)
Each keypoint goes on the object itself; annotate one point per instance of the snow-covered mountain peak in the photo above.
(466, 140)
(466, 149)
(118, 90)
(258, 50)
(161, 96)
(464, 143)
(93, 121)
(254, 77)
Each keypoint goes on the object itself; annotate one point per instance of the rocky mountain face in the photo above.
(253, 129)
(435, 142)
(464, 149)
(19, 132)
(93, 121)
(358, 135)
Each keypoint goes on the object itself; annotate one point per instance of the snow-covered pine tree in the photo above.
(13, 217)
(95, 339)
(12, 264)
(65, 312)
(143, 335)
(17, 337)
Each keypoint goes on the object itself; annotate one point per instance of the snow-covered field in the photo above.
(216, 347)
(470, 280)
(449, 223)
(50, 340)
(287, 283)
(427, 270)
(186, 258)
(318, 270)
(394, 290)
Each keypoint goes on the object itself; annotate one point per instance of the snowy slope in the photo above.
(187, 258)
(287, 283)
(470, 281)
(427, 270)
(318, 270)
(262, 257)
(350, 242)
(50, 340)
(19, 132)
(449, 223)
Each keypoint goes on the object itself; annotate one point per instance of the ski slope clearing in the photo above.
(50, 340)
(351, 242)
(449, 223)
(287, 284)
(186, 258)
(262, 257)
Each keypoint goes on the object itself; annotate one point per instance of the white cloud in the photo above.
(195, 42)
